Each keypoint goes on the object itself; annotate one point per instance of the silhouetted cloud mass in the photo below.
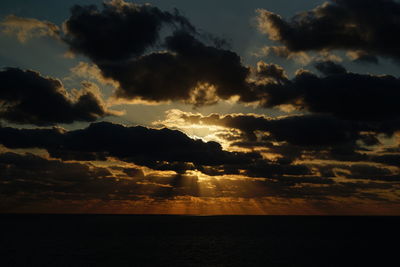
(343, 94)
(26, 97)
(148, 147)
(128, 29)
(330, 68)
(370, 26)
(308, 130)
(148, 66)
(191, 72)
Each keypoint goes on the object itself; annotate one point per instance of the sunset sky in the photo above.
(286, 107)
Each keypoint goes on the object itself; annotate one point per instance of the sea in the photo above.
(165, 240)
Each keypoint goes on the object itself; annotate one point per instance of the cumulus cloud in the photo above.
(315, 139)
(128, 29)
(343, 94)
(149, 66)
(369, 26)
(158, 149)
(302, 130)
(191, 72)
(27, 97)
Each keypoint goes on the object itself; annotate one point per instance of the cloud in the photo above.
(26, 97)
(332, 151)
(370, 26)
(191, 72)
(362, 170)
(313, 131)
(28, 179)
(133, 51)
(33, 177)
(271, 71)
(365, 171)
(330, 68)
(92, 72)
(28, 28)
(140, 145)
(346, 95)
(128, 29)
(31, 167)
(293, 142)
(153, 56)
(165, 150)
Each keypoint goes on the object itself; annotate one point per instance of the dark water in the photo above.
(103, 240)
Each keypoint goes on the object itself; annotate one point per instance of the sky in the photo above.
(200, 107)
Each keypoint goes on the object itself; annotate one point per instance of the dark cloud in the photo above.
(370, 26)
(306, 130)
(191, 72)
(32, 167)
(310, 138)
(128, 29)
(389, 159)
(37, 177)
(364, 171)
(261, 169)
(330, 68)
(144, 146)
(29, 179)
(26, 97)
(346, 95)
(157, 149)
(156, 55)
(31, 174)
(185, 70)
(314, 131)
(361, 171)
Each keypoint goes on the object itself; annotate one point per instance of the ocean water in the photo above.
(135, 240)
